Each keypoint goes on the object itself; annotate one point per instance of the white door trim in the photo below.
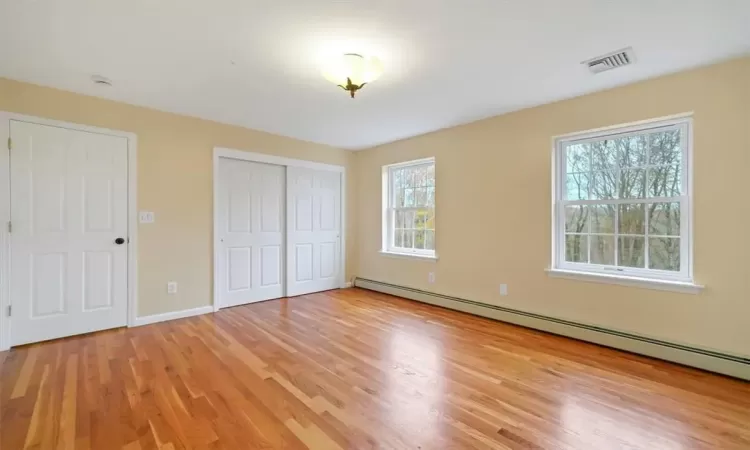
(5, 118)
(222, 152)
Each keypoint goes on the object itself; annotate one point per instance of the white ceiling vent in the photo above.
(611, 61)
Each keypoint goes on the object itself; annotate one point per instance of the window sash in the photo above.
(685, 201)
(644, 272)
(391, 210)
(391, 238)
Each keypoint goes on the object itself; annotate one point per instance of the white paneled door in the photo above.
(69, 205)
(251, 232)
(314, 230)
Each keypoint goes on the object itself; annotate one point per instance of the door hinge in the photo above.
(10, 143)
(10, 309)
(10, 227)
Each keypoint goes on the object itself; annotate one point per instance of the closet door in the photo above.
(69, 209)
(313, 230)
(251, 232)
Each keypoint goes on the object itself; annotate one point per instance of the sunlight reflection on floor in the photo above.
(595, 423)
(415, 388)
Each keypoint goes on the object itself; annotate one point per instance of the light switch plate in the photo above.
(146, 217)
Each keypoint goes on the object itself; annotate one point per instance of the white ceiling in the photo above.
(256, 63)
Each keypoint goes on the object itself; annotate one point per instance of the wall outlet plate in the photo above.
(503, 289)
(431, 277)
(171, 287)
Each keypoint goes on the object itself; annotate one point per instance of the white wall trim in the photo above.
(387, 247)
(645, 283)
(683, 122)
(727, 364)
(412, 256)
(216, 240)
(624, 127)
(173, 315)
(132, 296)
(4, 235)
(344, 222)
(222, 152)
(413, 162)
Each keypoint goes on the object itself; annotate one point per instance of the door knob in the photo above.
(119, 241)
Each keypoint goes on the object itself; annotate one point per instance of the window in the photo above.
(623, 202)
(409, 208)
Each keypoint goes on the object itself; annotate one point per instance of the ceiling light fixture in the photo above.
(351, 72)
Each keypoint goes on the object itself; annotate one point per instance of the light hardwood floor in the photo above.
(354, 369)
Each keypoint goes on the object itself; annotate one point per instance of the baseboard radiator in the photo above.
(690, 356)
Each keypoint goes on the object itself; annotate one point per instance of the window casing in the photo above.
(409, 208)
(623, 201)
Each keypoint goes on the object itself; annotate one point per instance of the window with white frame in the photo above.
(623, 201)
(409, 208)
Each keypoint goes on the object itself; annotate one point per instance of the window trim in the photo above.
(644, 283)
(388, 217)
(685, 276)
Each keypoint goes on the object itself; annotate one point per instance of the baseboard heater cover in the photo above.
(731, 365)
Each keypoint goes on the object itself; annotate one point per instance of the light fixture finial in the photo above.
(352, 71)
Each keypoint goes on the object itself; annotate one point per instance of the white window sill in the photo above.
(417, 256)
(646, 283)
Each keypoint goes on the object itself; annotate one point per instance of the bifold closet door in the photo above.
(251, 232)
(313, 230)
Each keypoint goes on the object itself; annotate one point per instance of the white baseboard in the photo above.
(156, 318)
(732, 365)
(347, 285)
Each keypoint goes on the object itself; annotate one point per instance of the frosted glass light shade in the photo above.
(357, 68)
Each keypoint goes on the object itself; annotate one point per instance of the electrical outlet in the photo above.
(171, 287)
(503, 289)
(431, 277)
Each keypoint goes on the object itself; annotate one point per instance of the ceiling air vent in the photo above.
(611, 61)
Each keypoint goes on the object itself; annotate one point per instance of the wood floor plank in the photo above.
(353, 369)
(69, 403)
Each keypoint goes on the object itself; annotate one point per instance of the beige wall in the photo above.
(494, 210)
(174, 181)
(493, 200)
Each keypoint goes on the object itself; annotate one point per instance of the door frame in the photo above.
(5, 236)
(228, 153)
